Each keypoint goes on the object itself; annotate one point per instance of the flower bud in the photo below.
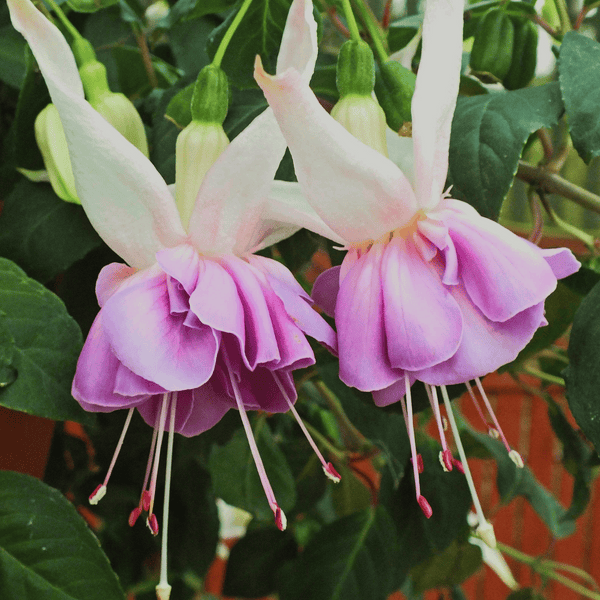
(211, 96)
(394, 87)
(116, 108)
(355, 72)
(524, 56)
(364, 119)
(198, 147)
(493, 44)
(50, 138)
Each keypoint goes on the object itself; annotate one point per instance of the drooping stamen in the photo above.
(163, 589)
(408, 419)
(151, 520)
(485, 529)
(491, 430)
(328, 468)
(445, 454)
(280, 519)
(100, 491)
(513, 454)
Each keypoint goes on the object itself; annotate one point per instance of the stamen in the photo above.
(280, 519)
(445, 454)
(328, 468)
(134, 515)
(479, 411)
(100, 491)
(408, 418)
(514, 455)
(485, 528)
(151, 520)
(163, 589)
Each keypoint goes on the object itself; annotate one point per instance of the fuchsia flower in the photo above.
(429, 290)
(194, 324)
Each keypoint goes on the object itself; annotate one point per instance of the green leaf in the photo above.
(39, 345)
(43, 234)
(188, 43)
(179, 109)
(254, 561)
(12, 56)
(184, 10)
(451, 567)
(259, 32)
(403, 30)
(579, 77)
(236, 480)
(46, 548)
(512, 481)
(525, 594)
(488, 135)
(582, 376)
(353, 558)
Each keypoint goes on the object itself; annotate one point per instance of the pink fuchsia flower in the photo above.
(429, 290)
(194, 324)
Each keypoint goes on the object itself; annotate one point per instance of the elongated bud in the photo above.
(203, 140)
(116, 108)
(51, 140)
(356, 109)
(394, 87)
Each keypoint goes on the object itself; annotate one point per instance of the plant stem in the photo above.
(230, 32)
(555, 184)
(374, 28)
(545, 376)
(563, 14)
(140, 39)
(352, 26)
(63, 19)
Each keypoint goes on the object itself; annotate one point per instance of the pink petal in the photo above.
(502, 273)
(393, 393)
(152, 342)
(326, 289)
(182, 263)
(486, 345)
(561, 261)
(110, 279)
(124, 196)
(359, 317)
(435, 96)
(358, 193)
(423, 322)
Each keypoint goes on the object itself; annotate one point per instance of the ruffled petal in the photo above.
(152, 342)
(359, 317)
(359, 193)
(486, 345)
(296, 302)
(299, 46)
(393, 393)
(423, 322)
(182, 263)
(260, 391)
(326, 289)
(502, 273)
(435, 96)
(561, 261)
(125, 198)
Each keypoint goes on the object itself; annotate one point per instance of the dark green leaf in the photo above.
(513, 481)
(451, 567)
(43, 234)
(488, 135)
(323, 82)
(184, 10)
(402, 31)
(236, 480)
(12, 56)
(525, 594)
(188, 42)
(298, 249)
(39, 345)
(255, 559)
(259, 33)
(586, 278)
(179, 108)
(579, 77)
(46, 549)
(582, 376)
(354, 558)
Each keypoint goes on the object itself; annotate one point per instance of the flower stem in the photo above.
(140, 39)
(563, 14)
(63, 19)
(374, 29)
(230, 32)
(545, 569)
(352, 26)
(545, 376)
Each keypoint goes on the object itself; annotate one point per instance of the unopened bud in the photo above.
(51, 140)
(198, 147)
(394, 87)
(355, 73)
(211, 96)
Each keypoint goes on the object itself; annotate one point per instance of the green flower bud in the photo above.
(524, 56)
(198, 147)
(50, 138)
(210, 100)
(493, 44)
(364, 119)
(90, 6)
(355, 69)
(394, 87)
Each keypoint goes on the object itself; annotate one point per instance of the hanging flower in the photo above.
(194, 324)
(429, 290)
